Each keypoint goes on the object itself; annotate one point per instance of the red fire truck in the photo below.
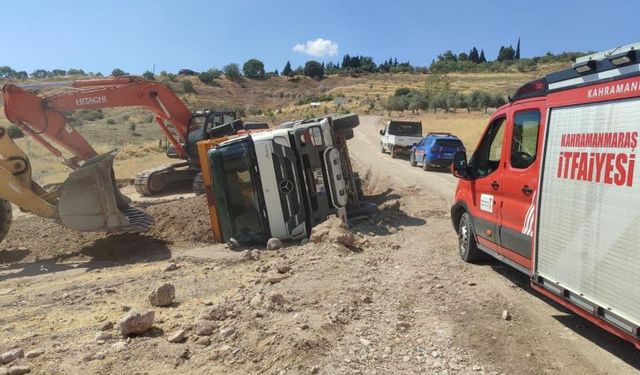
(552, 189)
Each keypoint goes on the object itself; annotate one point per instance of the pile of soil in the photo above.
(182, 221)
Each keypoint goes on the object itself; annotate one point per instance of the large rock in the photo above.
(218, 312)
(177, 336)
(19, 370)
(274, 244)
(163, 295)
(11, 356)
(136, 322)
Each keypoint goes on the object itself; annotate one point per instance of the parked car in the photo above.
(399, 136)
(435, 150)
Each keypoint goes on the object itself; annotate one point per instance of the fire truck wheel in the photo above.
(467, 246)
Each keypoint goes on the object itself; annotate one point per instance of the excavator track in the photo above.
(5, 218)
(155, 180)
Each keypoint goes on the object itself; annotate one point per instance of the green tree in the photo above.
(287, 70)
(482, 59)
(73, 72)
(6, 71)
(40, 73)
(149, 75)
(313, 69)
(58, 72)
(253, 69)
(397, 103)
(232, 72)
(419, 101)
(117, 72)
(474, 57)
(517, 54)
(506, 54)
(20, 75)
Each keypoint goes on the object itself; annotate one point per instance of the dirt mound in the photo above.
(184, 222)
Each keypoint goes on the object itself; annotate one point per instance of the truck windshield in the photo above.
(236, 196)
(409, 130)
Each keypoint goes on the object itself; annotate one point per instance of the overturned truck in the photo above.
(279, 183)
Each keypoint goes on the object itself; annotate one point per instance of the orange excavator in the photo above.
(89, 199)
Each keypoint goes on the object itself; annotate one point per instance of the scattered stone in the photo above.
(103, 336)
(476, 368)
(506, 315)
(171, 267)
(11, 356)
(204, 328)
(217, 312)
(439, 286)
(435, 354)
(259, 314)
(163, 295)
(276, 279)
(136, 322)
(226, 332)
(365, 342)
(406, 359)
(403, 325)
(125, 308)
(119, 346)
(255, 254)
(283, 268)
(177, 336)
(34, 353)
(367, 299)
(256, 301)
(303, 242)
(106, 326)
(392, 230)
(276, 298)
(315, 369)
(274, 244)
(203, 341)
(19, 370)
(246, 255)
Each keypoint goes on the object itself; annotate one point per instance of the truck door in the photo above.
(520, 185)
(488, 165)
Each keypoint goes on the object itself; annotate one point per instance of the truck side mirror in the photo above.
(459, 167)
(381, 132)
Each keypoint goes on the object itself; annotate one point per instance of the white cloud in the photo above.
(318, 47)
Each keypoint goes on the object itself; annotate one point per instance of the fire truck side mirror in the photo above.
(459, 167)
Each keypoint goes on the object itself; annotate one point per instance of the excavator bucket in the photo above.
(90, 200)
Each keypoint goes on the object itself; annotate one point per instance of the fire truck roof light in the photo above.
(623, 58)
(585, 67)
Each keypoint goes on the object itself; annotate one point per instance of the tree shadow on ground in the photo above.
(603, 339)
(111, 251)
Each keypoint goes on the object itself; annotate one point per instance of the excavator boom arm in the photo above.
(44, 115)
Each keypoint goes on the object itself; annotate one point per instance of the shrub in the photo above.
(232, 72)
(118, 72)
(132, 127)
(111, 121)
(187, 86)
(313, 69)
(148, 75)
(209, 76)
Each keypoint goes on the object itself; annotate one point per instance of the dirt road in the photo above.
(393, 297)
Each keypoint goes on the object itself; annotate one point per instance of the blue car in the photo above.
(435, 150)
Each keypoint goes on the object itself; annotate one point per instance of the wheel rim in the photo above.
(463, 236)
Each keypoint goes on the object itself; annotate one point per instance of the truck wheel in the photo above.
(345, 122)
(425, 165)
(412, 160)
(347, 133)
(381, 148)
(393, 153)
(467, 246)
(5, 218)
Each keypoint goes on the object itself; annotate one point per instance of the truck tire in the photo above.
(5, 218)
(347, 134)
(467, 246)
(382, 148)
(345, 122)
(412, 159)
(425, 165)
(393, 153)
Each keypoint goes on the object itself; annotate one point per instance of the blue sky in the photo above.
(135, 35)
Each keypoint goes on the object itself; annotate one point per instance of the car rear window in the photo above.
(405, 129)
(450, 143)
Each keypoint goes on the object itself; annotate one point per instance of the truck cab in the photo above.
(278, 183)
